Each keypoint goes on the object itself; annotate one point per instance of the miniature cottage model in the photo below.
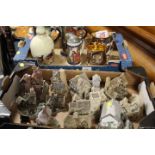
(111, 115)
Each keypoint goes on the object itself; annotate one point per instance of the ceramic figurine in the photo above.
(44, 118)
(133, 107)
(32, 97)
(95, 89)
(117, 87)
(55, 75)
(75, 97)
(52, 102)
(45, 91)
(96, 80)
(58, 90)
(40, 106)
(37, 76)
(97, 98)
(35, 80)
(37, 83)
(81, 85)
(56, 102)
(107, 83)
(70, 122)
(57, 85)
(28, 103)
(41, 44)
(25, 83)
(112, 116)
(63, 78)
(82, 107)
(103, 96)
(77, 121)
(95, 101)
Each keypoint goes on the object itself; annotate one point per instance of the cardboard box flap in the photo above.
(9, 97)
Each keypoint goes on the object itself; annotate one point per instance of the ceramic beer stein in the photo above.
(73, 49)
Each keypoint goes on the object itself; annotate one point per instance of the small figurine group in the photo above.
(40, 100)
(116, 106)
(81, 97)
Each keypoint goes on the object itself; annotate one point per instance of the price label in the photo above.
(87, 68)
(21, 65)
(18, 52)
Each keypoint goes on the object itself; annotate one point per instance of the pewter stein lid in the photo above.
(73, 40)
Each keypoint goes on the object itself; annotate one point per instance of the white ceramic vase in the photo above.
(41, 44)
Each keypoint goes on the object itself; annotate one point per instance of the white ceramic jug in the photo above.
(41, 44)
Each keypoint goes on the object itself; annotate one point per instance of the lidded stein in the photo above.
(73, 49)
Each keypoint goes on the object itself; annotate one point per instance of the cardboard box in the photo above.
(24, 54)
(12, 88)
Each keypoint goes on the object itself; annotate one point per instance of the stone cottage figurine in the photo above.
(27, 104)
(112, 116)
(77, 121)
(117, 87)
(56, 102)
(133, 107)
(37, 77)
(58, 91)
(97, 98)
(81, 106)
(57, 85)
(44, 116)
(25, 84)
(96, 80)
(80, 85)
